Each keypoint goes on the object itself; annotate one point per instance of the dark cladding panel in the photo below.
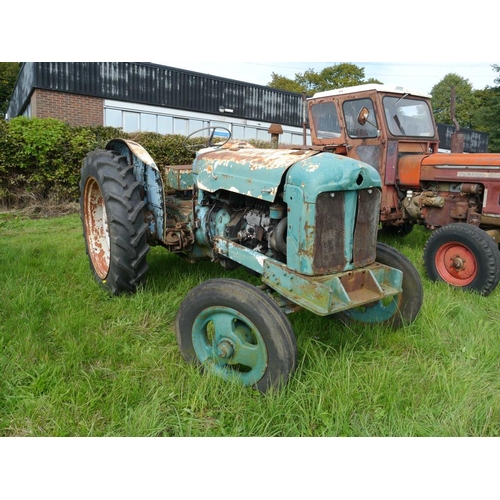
(157, 85)
(22, 91)
(474, 141)
(79, 78)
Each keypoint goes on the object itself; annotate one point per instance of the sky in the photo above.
(414, 46)
(401, 44)
(421, 76)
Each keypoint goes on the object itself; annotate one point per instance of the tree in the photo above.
(465, 100)
(332, 77)
(8, 76)
(283, 83)
(486, 116)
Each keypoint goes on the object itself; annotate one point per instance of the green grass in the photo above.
(76, 362)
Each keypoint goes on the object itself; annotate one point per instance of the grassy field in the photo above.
(76, 362)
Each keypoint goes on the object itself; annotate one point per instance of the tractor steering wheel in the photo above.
(210, 141)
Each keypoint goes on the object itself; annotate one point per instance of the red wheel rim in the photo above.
(456, 264)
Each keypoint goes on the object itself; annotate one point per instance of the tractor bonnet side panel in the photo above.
(468, 169)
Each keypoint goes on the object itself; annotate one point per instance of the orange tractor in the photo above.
(456, 195)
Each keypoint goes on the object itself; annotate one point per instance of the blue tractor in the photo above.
(303, 219)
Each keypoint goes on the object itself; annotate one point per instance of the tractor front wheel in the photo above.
(114, 228)
(396, 311)
(464, 256)
(236, 331)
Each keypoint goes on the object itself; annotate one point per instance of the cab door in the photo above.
(363, 131)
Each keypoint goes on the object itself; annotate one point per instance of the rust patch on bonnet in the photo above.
(256, 159)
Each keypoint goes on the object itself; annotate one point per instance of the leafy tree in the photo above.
(329, 78)
(466, 101)
(283, 83)
(8, 77)
(486, 117)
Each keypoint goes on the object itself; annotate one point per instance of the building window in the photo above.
(195, 125)
(165, 125)
(262, 135)
(155, 120)
(238, 132)
(180, 126)
(112, 118)
(131, 121)
(148, 122)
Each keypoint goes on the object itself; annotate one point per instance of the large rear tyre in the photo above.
(237, 332)
(398, 310)
(114, 228)
(464, 256)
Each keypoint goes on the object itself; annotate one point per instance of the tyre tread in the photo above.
(128, 239)
(488, 260)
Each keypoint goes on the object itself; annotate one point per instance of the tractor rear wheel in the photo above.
(464, 256)
(398, 310)
(237, 332)
(114, 228)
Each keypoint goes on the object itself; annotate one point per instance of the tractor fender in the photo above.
(148, 175)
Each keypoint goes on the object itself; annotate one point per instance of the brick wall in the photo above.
(76, 110)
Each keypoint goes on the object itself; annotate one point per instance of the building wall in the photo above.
(76, 110)
(155, 85)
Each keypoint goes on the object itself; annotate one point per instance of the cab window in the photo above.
(408, 117)
(352, 110)
(325, 120)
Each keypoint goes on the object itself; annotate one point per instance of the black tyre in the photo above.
(395, 311)
(464, 256)
(114, 228)
(401, 230)
(235, 330)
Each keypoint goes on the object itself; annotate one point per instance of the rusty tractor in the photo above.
(305, 221)
(455, 195)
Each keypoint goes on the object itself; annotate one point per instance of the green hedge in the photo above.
(41, 158)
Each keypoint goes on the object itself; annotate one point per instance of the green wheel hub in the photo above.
(228, 343)
(378, 312)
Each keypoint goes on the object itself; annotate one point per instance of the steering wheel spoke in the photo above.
(210, 142)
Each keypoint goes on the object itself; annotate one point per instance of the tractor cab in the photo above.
(377, 124)
(373, 123)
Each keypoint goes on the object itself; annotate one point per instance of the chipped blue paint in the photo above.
(332, 174)
(252, 172)
(327, 172)
(322, 295)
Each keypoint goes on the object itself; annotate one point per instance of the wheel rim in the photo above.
(228, 344)
(96, 228)
(456, 264)
(377, 312)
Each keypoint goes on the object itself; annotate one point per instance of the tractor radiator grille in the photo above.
(332, 237)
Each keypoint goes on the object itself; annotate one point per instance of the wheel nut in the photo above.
(225, 349)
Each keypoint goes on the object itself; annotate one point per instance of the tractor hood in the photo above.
(249, 171)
